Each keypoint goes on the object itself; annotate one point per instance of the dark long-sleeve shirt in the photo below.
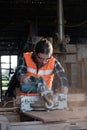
(58, 70)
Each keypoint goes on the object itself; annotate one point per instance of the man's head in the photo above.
(43, 51)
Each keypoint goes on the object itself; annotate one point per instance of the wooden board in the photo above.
(59, 115)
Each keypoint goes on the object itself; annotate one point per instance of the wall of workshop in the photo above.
(75, 66)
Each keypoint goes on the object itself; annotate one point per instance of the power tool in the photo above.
(36, 96)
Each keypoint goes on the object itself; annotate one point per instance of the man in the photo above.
(41, 63)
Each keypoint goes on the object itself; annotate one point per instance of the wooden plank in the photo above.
(64, 53)
(4, 109)
(58, 115)
(28, 126)
(3, 118)
(80, 125)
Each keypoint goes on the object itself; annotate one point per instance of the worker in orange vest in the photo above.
(41, 63)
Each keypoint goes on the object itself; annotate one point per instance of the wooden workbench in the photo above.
(59, 115)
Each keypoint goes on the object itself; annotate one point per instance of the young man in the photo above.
(41, 63)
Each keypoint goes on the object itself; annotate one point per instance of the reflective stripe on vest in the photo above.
(40, 72)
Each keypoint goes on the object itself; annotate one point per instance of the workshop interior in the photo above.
(22, 24)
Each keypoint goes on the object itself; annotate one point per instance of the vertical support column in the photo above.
(9, 65)
(60, 19)
(0, 80)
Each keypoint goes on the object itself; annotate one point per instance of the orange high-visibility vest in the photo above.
(46, 71)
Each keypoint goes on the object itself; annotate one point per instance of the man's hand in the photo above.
(23, 79)
(27, 80)
(64, 90)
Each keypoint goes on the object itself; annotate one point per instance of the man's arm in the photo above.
(21, 69)
(59, 70)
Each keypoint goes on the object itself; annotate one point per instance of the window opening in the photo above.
(8, 66)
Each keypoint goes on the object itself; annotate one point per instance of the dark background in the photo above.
(22, 19)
